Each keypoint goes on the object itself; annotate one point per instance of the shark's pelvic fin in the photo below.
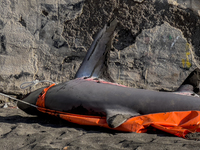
(95, 62)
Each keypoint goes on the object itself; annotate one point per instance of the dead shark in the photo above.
(87, 94)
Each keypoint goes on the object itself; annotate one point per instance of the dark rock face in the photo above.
(156, 44)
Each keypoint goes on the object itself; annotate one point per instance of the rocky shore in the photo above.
(21, 131)
(156, 46)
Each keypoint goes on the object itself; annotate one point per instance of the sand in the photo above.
(19, 130)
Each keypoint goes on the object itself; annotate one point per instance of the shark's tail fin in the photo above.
(95, 61)
(192, 82)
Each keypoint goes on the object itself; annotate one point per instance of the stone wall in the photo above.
(156, 44)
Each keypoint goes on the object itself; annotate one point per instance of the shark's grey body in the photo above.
(117, 103)
(102, 99)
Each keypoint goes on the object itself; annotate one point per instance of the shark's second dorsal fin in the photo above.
(95, 61)
(185, 87)
(191, 83)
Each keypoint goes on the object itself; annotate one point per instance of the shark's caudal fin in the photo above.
(95, 61)
(191, 83)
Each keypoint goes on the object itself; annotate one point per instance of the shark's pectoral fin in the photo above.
(117, 120)
(114, 120)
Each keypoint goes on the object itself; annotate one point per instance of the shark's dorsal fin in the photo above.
(94, 64)
(116, 118)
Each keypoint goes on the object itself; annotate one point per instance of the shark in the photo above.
(89, 94)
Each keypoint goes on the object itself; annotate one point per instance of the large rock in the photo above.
(156, 59)
(31, 40)
(47, 40)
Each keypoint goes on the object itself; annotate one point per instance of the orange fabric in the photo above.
(177, 123)
(41, 99)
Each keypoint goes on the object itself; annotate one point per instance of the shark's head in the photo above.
(30, 98)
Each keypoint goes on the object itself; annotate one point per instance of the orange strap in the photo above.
(41, 99)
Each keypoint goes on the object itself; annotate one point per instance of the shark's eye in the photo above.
(25, 96)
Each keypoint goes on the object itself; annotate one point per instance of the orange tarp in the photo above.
(177, 123)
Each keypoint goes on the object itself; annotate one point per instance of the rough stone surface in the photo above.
(157, 58)
(32, 46)
(48, 40)
(192, 4)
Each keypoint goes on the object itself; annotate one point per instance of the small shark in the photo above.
(87, 94)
